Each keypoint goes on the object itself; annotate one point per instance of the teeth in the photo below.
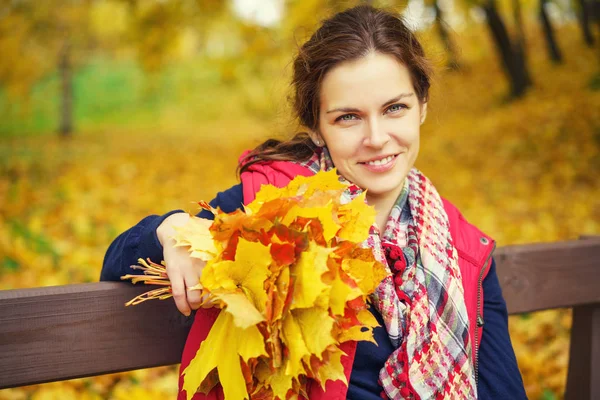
(381, 162)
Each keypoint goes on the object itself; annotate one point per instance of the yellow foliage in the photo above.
(353, 228)
(198, 239)
(523, 172)
(276, 290)
(308, 284)
(222, 349)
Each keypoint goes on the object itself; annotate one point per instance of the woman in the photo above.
(361, 89)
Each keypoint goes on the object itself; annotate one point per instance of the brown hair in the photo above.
(346, 36)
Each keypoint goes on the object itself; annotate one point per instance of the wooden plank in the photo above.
(595, 354)
(64, 332)
(589, 237)
(549, 275)
(583, 379)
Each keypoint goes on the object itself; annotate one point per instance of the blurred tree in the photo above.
(444, 32)
(157, 26)
(512, 55)
(38, 38)
(585, 12)
(553, 50)
(520, 43)
(155, 31)
(42, 38)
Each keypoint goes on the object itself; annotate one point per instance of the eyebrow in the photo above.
(387, 103)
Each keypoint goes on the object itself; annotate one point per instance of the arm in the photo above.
(151, 238)
(141, 241)
(499, 376)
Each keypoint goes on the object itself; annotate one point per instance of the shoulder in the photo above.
(470, 242)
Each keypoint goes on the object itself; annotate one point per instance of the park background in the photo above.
(111, 110)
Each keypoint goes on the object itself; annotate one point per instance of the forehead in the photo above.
(374, 78)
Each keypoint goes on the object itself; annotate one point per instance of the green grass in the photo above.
(110, 93)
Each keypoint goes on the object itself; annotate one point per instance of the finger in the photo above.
(194, 297)
(209, 304)
(198, 266)
(178, 289)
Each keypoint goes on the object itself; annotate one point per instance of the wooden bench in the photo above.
(63, 332)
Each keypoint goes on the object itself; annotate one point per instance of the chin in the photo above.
(384, 188)
(381, 191)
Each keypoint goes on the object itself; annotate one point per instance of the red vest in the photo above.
(474, 259)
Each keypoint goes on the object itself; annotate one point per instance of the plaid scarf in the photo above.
(422, 298)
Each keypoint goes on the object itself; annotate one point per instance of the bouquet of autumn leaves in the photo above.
(292, 279)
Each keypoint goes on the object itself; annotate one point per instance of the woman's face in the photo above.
(369, 119)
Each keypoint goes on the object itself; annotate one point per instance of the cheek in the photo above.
(406, 129)
(342, 144)
(414, 148)
(339, 153)
(414, 137)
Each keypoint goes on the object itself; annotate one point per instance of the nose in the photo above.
(376, 136)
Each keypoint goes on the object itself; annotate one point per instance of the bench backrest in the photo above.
(63, 332)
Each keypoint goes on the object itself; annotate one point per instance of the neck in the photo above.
(383, 206)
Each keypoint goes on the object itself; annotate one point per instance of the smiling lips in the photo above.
(381, 164)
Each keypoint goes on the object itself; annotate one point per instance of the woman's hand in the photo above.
(183, 271)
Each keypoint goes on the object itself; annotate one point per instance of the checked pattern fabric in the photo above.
(422, 298)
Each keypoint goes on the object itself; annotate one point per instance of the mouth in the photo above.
(380, 160)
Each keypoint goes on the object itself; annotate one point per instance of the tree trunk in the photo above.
(514, 68)
(516, 5)
(584, 22)
(595, 11)
(551, 44)
(445, 36)
(520, 44)
(66, 93)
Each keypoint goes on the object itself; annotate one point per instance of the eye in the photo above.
(396, 107)
(346, 117)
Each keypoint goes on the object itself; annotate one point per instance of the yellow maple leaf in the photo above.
(225, 225)
(307, 273)
(238, 305)
(300, 186)
(324, 214)
(196, 234)
(291, 336)
(315, 325)
(356, 218)
(306, 186)
(332, 370)
(280, 383)
(368, 274)
(248, 272)
(360, 332)
(340, 293)
(305, 332)
(222, 349)
(268, 193)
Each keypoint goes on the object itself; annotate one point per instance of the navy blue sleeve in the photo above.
(141, 241)
(228, 201)
(499, 376)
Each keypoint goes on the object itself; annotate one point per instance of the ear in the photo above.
(423, 112)
(316, 138)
